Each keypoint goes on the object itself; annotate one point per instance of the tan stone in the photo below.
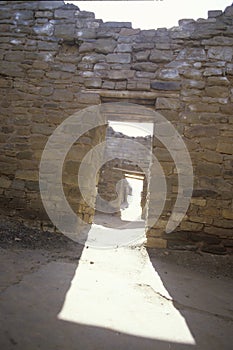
(27, 175)
(227, 213)
(153, 242)
(191, 226)
(5, 182)
(199, 201)
(224, 148)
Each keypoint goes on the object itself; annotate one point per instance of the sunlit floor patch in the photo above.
(119, 290)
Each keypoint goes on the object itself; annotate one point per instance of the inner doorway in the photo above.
(122, 180)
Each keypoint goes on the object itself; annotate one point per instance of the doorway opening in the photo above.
(123, 177)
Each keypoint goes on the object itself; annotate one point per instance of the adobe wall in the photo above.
(56, 59)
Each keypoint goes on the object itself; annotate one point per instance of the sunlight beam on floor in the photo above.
(120, 290)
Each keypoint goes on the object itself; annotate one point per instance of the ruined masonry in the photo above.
(57, 60)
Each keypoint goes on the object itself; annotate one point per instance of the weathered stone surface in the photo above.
(5, 182)
(50, 5)
(167, 103)
(93, 82)
(142, 55)
(118, 58)
(124, 48)
(105, 45)
(225, 148)
(120, 74)
(145, 67)
(46, 29)
(220, 53)
(214, 249)
(62, 95)
(193, 84)
(194, 74)
(168, 74)
(158, 56)
(162, 85)
(203, 107)
(218, 81)
(208, 168)
(117, 24)
(57, 60)
(192, 54)
(204, 193)
(212, 72)
(217, 91)
(214, 13)
(191, 226)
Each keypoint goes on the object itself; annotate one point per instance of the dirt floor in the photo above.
(56, 294)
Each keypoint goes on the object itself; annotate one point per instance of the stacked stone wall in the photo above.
(57, 59)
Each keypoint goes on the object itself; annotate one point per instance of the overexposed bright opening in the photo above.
(132, 129)
(134, 210)
(151, 14)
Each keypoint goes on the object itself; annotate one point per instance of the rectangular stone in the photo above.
(226, 148)
(165, 85)
(117, 24)
(221, 53)
(158, 56)
(118, 58)
(120, 74)
(154, 242)
(167, 103)
(227, 213)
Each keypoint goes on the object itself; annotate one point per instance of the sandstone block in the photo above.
(120, 74)
(153, 242)
(117, 24)
(88, 98)
(194, 74)
(145, 66)
(105, 45)
(193, 84)
(64, 31)
(212, 72)
(163, 85)
(204, 193)
(27, 175)
(118, 58)
(141, 56)
(66, 14)
(226, 148)
(167, 103)
(168, 74)
(203, 107)
(217, 91)
(46, 29)
(191, 226)
(218, 231)
(199, 202)
(192, 54)
(158, 56)
(50, 5)
(205, 168)
(62, 95)
(124, 48)
(93, 82)
(221, 53)
(5, 182)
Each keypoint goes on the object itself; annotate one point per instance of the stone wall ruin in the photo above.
(57, 59)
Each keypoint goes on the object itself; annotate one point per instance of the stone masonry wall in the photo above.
(56, 59)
